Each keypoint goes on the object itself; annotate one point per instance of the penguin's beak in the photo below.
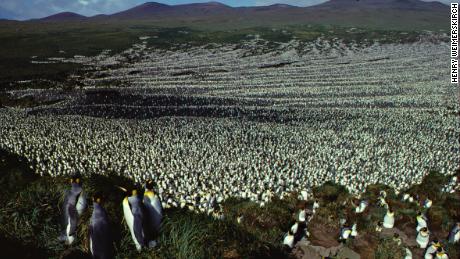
(121, 188)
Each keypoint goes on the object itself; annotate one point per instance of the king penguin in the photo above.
(154, 213)
(289, 239)
(421, 221)
(100, 233)
(133, 211)
(73, 206)
(454, 234)
(389, 219)
(423, 237)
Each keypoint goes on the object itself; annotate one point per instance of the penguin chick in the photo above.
(100, 233)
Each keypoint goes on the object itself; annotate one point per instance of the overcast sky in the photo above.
(27, 9)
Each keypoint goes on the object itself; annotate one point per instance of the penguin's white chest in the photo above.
(289, 241)
(421, 223)
(422, 240)
(388, 221)
(130, 222)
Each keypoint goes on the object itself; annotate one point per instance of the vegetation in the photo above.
(19, 42)
(30, 221)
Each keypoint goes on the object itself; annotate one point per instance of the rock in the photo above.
(312, 251)
(347, 253)
(405, 239)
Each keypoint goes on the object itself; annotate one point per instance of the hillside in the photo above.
(393, 14)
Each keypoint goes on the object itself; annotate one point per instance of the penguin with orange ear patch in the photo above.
(134, 213)
(74, 205)
(154, 212)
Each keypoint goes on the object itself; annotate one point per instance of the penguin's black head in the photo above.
(149, 184)
(97, 197)
(76, 179)
(128, 191)
(439, 250)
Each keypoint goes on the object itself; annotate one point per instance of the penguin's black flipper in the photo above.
(73, 218)
(138, 228)
(65, 214)
(102, 242)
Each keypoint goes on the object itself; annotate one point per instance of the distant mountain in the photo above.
(64, 17)
(378, 13)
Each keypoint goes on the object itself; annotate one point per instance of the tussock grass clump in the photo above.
(389, 249)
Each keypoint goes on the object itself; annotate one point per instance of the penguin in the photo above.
(397, 239)
(100, 233)
(133, 211)
(389, 219)
(239, 219)
(378, 227)
(454, 234)
(315, 206)
(295, 227)
(362, 206)
(345, 233)
(405, 197)
(441, 254)
(428, 203)
(432, 248)
(73, 206)
(423, 237)
(154, 212)
(289, 239)
(408, 254)
(421, 221)
(302, 215)
(354, 230)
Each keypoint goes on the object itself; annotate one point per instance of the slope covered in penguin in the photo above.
(112, 217)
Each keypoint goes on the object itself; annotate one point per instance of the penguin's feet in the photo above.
(70, 240)
(153, 244)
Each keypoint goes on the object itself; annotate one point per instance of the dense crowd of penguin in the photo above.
(222, 158)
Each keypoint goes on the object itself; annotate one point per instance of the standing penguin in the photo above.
(73, 206)
(289, 239)
(421, 221)
(345, 233)
(154, 213)
(389, 219)
(133, 211)
(432, 248)
(441, 254)
(454, 234)
(100, 234)
(423, 237)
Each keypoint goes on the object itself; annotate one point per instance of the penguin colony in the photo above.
(432, 249)
(366, 128)
(143, 216)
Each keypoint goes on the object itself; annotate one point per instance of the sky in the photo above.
(28, 9)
